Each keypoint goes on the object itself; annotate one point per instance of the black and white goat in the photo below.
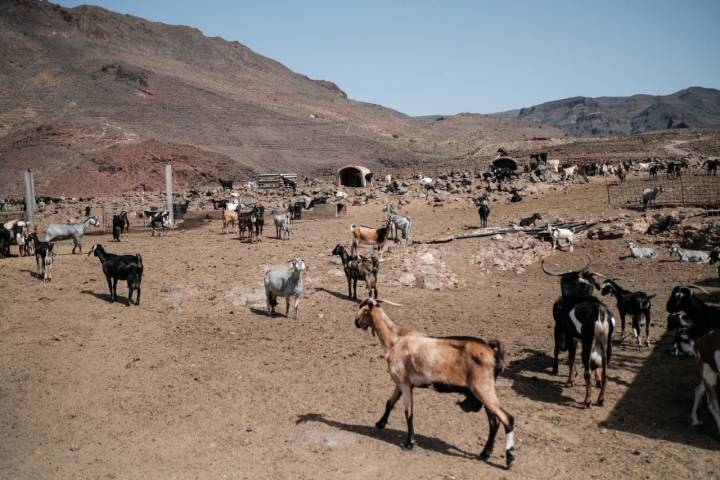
(358, 268)
(158, 218)
(683, 343)
(120, 267)
(579, 315)
(635, 304)
(707, 353)
(527, 221)
(43, 257)
(704, 317)
(483, 210)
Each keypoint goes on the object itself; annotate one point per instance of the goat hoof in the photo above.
(510, 457)
(484, 455)
(380, 425)
(600, 402)
(588, 404)
(408, 445)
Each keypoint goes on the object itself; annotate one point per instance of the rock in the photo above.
(607, 232)
(441, 196)
(407, 278)
(432, 283)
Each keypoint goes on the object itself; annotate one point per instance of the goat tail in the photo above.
(139, 259)
(499, 350)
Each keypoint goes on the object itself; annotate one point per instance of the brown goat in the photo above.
(230, 219)
(707, 353)
(358, 268)
(369, 236)
(465, 365)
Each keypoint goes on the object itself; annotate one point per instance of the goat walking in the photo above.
(635, 304)
(450, 364)
(65, 231)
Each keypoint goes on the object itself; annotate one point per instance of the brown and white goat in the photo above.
(369, 236)
(465, 365)
(358, 268)
(707, 353)
(230, 219)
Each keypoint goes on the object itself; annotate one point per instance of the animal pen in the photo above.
(697, 191)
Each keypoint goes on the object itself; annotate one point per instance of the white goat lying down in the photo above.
(558, 234)
(689, 255)
(284, 284)
(465, 365)
(641, 252)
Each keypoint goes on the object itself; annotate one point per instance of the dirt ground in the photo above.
(195, 384)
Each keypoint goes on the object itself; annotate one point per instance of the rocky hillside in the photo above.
(693, 107)
(88, 91)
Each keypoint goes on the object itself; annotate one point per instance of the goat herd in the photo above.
(458, 364)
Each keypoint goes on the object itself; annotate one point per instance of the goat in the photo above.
(64, 231)
(553, 165)
(704, 317)
(259, 212)
(295, 211)
(515, 195)
(688, 255)
(682, 344)
(483, 210)
(707, 353)
(398, 222)
(43, 257)
(714, 257)
(661, 226)
(712, 166)
(118, 224)
(569, 172)
(526, 222)
(621, 174)
(18, 229)
(369, 236)
(635, 304)
(641, 252)
(285, 284)
(247, 222)
(230, 219)
(358, 268)
(126, 222)
(288, 183)
(120, 267)
(579, 315)
(557, 234)
(465, 365)
(155, 218)
(226, 184)
(5, 239)
(282, 224)
(653, 171)
(649, 195)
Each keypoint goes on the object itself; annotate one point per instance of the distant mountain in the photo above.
(693, 107)
(90, 94)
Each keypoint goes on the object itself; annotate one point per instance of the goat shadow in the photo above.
(279, 311)
(658, 401)
(339, 295)
(396, 437)
(32, 273)
(105, 296)
(537, 388)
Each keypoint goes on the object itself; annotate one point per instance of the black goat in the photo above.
(43, 256)
(5, 239)
(483, 210)
(703, 316)
(120, 267)
(295, 211)
(635, 304)
(118, 226)
(682, 344)
(712, 166)
(289, 183)
(226, 184)
(516, 197)
(661, 226)
(259, 212)
(526, 222)
(358, 268)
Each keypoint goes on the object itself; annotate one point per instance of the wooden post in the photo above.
(29, 198)
(168, 193)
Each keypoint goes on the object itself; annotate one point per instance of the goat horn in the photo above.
(599, 275)
(379, 301)
(698, 287)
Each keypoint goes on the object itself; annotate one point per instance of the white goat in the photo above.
(398, 222)
(569, 172)
(284, 284)
(641, 252)
(64, 231)
(650, 194)
(688, 255)
(558, 234)
(553, 165)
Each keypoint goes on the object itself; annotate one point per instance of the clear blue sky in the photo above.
(430, 57)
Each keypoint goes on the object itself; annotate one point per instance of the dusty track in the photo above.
(190, 386)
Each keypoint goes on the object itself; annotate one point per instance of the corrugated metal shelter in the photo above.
(354, 176)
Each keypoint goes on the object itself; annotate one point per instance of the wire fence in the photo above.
(698, 191)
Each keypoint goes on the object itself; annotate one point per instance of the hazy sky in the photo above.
(431, 57)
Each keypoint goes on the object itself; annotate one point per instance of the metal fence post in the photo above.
(29, 198)
(168, 193)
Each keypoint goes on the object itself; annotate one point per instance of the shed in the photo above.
(505, 162)
(354, 176)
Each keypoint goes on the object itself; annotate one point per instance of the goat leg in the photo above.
(408, 400)
(114, 289)
(490, 444)
(647, 327)
(109, 280)
(588, 388)
(380, 424)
